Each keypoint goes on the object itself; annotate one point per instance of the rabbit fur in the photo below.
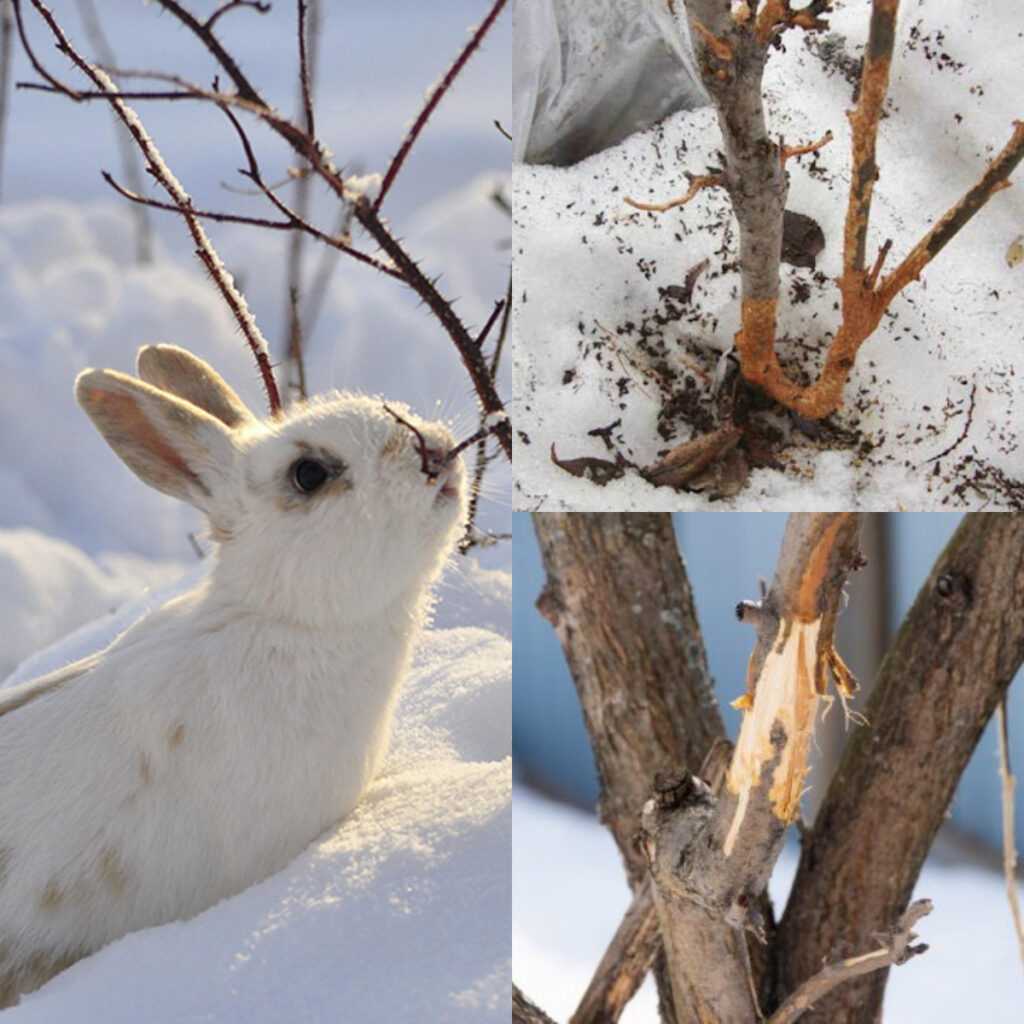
(221, 733)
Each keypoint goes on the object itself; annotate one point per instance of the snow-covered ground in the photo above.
(608, 338)
(569, 896)
(401, 912)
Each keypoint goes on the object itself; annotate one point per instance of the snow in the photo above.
(401, 912)
(600, 342)
(569, 894)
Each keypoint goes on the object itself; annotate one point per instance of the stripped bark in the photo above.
(732, 48)
(950, 665)
(711, 857)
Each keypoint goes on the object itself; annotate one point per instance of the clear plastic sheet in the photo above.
(591, 72)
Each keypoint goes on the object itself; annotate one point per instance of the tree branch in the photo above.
(711, 857)
(162, 173)
(310, 149)
(620, 602)
(6, 65)
(895, 949)
(732, 50)
(950, 664)
(436, 95)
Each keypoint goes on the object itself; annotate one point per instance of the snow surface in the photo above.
(599, 342)
(400, 913)
(569, 895)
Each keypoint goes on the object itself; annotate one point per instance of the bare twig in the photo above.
(968, 421)
(895, 948)
(231, 5)
(307, 60)
(472, 358)
(317, 291)
(473, 537)
(696, 184)
(1009, 844)
(292, 223)
(307, 147)
(436, 95)
(296, 385)
(129, 164)
(788, 152)
(367, 215)
(162, 173)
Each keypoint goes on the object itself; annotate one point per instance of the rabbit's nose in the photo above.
(434, 460)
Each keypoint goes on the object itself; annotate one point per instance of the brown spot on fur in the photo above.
(51, 898)
(113, 871)
(144, 770)
(397, 442)
(176, 737)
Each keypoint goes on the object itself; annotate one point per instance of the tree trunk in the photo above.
(620, 602)
(951, 663)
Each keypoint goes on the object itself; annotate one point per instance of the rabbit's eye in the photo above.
(309, 475)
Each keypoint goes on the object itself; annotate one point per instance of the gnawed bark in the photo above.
(952, 661)
(711, 857)
(732, 47)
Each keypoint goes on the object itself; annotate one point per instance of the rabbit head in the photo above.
(333, 511)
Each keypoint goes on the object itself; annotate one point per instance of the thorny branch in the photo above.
(436, 95)
(156, 166)
(367, 215)
(308, 147)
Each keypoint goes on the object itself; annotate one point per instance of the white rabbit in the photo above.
(222, 732)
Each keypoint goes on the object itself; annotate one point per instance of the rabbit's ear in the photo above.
(173, 369)
(170, 444)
